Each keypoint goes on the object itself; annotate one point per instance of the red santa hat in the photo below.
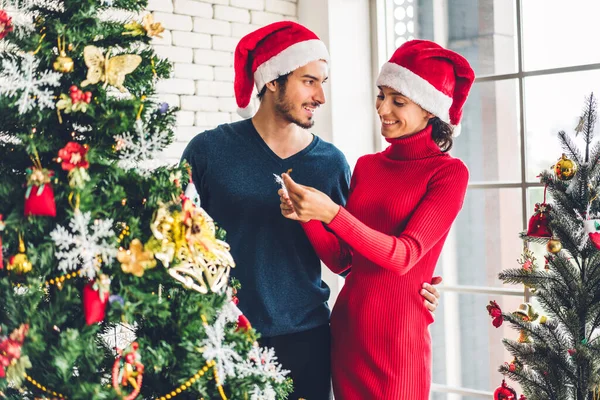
(269, 52)
(435, 78)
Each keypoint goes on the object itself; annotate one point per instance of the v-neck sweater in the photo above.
(279, 271)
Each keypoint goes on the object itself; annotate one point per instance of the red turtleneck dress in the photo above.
(401, 205)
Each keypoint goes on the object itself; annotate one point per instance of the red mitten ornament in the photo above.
(39, 196)
(95, 298)
(505, 392)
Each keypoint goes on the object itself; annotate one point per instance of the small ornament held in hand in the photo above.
(565, 168)
(280, 182)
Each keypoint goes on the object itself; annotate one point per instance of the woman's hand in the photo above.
(287, 209)
(304, 203)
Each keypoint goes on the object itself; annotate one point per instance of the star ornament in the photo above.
(136, 260)
(152, 28)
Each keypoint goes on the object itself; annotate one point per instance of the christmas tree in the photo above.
(557, 351)
(114, 283)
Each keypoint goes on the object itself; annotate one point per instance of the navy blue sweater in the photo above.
(232, 167)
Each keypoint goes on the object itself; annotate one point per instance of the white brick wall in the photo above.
(200, 38)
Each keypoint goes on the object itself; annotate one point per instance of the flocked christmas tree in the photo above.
(100, 245)
(557, 350)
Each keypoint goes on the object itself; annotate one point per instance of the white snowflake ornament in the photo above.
(140, 150)
(86, 246)
(28, 83)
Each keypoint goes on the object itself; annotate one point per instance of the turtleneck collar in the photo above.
(413, 147)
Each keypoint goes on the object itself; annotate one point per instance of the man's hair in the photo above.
(281, 81)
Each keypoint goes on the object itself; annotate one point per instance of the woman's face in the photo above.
(399, 115)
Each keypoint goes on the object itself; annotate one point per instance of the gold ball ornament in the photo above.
(554, 246)
(565, 168)
(19, 263)
(63, 63)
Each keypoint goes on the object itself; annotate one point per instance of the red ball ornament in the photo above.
(505, 392)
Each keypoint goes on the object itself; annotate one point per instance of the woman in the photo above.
(401, 205)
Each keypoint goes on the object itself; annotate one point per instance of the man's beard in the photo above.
(284, 108)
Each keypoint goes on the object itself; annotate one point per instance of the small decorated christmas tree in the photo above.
(557, 351)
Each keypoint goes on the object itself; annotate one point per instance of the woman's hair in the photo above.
(441, 132)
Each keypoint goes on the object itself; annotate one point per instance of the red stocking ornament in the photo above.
(39, 197)
(505, 392)
(95, 298)
(538, 223)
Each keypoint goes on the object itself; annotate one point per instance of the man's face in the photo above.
(302, 94)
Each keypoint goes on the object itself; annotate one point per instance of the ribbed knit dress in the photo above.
(401, 205)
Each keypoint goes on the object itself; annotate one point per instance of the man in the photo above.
(282, 293)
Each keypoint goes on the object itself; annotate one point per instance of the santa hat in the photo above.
(435, 78)
(270, 52)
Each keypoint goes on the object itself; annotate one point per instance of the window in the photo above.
(533, 74)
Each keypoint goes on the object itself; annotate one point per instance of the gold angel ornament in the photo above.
(110, 70)
(186, 244)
